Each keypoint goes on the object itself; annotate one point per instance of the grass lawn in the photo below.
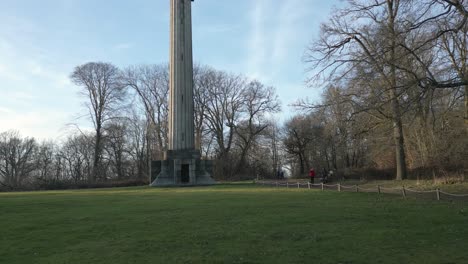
(239, 223)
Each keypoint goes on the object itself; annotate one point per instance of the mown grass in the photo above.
(228, 224)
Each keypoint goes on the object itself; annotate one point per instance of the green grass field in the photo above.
(228, 224)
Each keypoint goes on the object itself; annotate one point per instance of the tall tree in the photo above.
(260, 101)
(224, 108)
(101, 86)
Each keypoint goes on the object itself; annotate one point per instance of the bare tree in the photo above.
(45, 159)
(455, 46)
(260, 102)
(151, 84)
(203, 83)
(363, 37)
(16, 159)
(222, 113)
(388, 58)
(273, 143)
(137, 145)
(298, 137)
(116, 147)
(101, 86)
(77, 153)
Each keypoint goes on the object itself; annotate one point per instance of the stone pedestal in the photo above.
(181, 168)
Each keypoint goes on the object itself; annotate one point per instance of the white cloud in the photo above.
(5, 110)
(41, 124)
(122, 46)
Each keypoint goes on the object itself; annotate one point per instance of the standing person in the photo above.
(324, 176)
(312, 175)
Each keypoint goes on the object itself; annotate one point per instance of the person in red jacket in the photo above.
(312, 175)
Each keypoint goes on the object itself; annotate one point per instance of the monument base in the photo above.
(181, 168)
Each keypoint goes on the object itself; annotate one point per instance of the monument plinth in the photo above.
(182, 164)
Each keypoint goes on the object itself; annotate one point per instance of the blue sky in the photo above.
(42, 41)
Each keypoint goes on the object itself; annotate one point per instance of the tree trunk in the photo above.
(198, 138)
(97, 155)
(466, 106)
(399, 144)
(397, 123)
(301, 162)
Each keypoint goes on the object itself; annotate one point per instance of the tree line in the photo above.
(128, 109)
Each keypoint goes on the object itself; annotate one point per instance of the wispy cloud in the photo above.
(273, 32)
(278, 36)
(122, 46)
(291, 12)
(257, 40)
(21, 60)
(33, 82)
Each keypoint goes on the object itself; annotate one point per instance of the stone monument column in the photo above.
(182, 165)
(181, 125)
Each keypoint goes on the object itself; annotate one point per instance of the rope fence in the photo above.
(403, 191)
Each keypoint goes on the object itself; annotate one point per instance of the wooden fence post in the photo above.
(308, 184)
(322, 186)
(404, 192)
(298, 185)
(438, 194)
(357, 188)
(276, 184)
(339, 187)
(378, 189)
(287, 184)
